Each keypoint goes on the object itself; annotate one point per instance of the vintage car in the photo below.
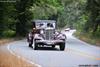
(47, 35)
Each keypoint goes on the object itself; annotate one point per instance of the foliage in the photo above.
(6, 17)
(84, 15)
(72, 12)
(8, 33)
(92, 23)
(23, 16)
(89, 19)
(45, 9)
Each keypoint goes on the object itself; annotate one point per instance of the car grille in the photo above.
(49, 34)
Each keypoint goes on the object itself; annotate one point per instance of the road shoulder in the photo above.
(9, 60)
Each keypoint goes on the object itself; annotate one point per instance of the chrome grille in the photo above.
(49, 34)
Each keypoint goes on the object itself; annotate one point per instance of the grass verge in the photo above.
(87, 38)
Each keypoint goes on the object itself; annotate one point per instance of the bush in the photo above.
(8, 33)
(97, 34)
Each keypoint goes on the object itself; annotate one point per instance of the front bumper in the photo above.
(49, 42)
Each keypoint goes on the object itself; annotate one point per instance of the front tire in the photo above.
(35, 46)
(53, 46)
(30, 45)
(62, 46)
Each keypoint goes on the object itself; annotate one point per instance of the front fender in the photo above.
(38, 37)
(30, 37)
(61, 36)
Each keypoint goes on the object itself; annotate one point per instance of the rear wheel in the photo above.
(62, 46)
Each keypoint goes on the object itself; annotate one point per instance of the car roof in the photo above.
(46, 21)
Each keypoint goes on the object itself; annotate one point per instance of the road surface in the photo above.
(76, 54)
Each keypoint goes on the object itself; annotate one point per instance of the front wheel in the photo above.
(35, 46)
(53, 46)
(30, 44)
(62, 46)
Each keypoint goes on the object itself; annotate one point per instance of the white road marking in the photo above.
(37, 65)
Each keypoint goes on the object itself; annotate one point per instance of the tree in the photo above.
(1, 17)
(71, 12)
(23, 16)
(93, 8)
(6, 17)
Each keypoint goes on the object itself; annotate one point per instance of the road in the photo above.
(76, 54)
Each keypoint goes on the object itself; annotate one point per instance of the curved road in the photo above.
(76, 54)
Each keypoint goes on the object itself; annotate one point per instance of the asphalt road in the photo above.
(76, 54)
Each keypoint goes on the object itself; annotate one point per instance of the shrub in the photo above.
(8, 33)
